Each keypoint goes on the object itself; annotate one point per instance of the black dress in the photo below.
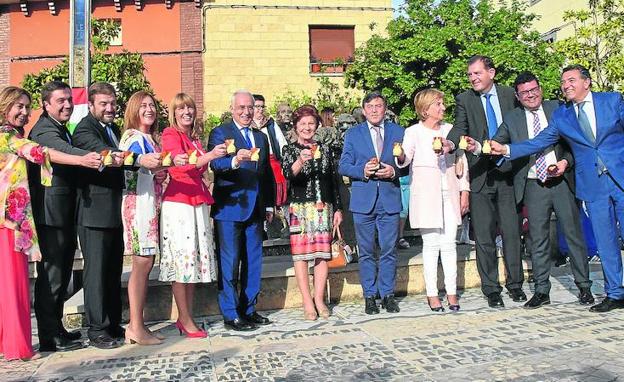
(314, 196)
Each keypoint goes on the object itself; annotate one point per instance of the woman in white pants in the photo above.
(438, 193)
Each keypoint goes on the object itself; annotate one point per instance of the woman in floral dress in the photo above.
(18, 238)
(187, 244)
(315, 208)
(141, 209)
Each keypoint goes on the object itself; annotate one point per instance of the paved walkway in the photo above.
(560, 342)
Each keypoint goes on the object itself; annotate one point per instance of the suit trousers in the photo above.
(605, 212)
(102, 249)
(541, 200)
(239, 243)
(58, 247)
(491, 207)
(377, 278)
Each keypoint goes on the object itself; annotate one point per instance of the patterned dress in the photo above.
(140, 206)
(18, 239)
(314, 196)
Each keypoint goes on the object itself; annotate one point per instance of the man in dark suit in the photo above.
(99, 220)
(478, 113)
(544, 191)
(592, 123)
(243, 199)
(375, 199)
(54, 210)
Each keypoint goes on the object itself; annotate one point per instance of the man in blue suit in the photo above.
(593, 126)
(242, 201)
(375, 199)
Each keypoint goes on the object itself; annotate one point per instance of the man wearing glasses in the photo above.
(544, 182)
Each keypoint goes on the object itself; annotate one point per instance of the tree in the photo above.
(598, 42)
(429, 43)
(124, 70)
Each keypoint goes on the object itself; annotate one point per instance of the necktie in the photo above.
(378, 140)
(540, 160)
(583, 121)
(247, 137)
(491, 116)
(112, 136)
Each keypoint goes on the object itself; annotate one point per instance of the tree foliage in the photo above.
(598, 42)
(125, 70)
(429, 43)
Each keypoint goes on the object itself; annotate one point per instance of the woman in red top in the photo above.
(187, 247)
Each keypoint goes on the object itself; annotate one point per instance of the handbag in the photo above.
(340, 250)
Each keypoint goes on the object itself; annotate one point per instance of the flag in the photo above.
(81, 108)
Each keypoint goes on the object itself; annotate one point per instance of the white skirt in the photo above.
(186, 244)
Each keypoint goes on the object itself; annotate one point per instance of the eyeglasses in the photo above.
(535, 91)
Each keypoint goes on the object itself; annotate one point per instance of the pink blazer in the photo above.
(425, 202)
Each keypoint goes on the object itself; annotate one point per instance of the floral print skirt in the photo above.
(310, 231)
(187, 244)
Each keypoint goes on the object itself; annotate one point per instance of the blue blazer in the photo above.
(237, 191)
(358, 150)
(609, 146)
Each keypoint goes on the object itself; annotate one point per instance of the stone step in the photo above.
(279, 287)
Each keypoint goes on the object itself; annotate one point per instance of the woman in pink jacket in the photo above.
(438, 193)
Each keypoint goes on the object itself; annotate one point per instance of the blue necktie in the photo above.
(247, 137)
(491, 116)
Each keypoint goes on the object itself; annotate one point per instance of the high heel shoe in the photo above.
(132, 339)
(323, 311)
(198, 334)
(435, 308)
(310, 315)
(156, 334)
(452, 307)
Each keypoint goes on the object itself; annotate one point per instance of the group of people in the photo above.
(146, 193)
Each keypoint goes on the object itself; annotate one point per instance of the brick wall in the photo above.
(191, 61)
(4, 47)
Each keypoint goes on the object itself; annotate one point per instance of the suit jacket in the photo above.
(55, 205)
(609, 145)
(99, 195)
(470, 120)
(514, 129)
(240, 192)
(358, 150)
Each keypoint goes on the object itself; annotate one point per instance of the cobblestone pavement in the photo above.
(559, 342)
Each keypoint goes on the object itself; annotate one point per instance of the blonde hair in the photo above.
(132, 120)
(425, 98)
(181, 100)
(8, 97)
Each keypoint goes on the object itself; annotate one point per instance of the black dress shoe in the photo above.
(73, 336)
(586, 297)
(390, 304)
(517, 295)
(257, 319)
(606, 305)
(239, 325)
(117, 332)
(537, 300)
(104, 341)
(371, 306)
(59, 343)
(495, 300)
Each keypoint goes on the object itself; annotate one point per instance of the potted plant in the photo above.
(315, 65)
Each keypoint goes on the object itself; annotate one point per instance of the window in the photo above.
(331, 48)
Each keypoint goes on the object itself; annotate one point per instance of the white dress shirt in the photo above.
(589, 109)
(549, 153)
(373, 135)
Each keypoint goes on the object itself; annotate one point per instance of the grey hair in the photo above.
(239, 92)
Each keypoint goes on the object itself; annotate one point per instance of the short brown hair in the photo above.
(101, 88)
(425, 98)
(8, 97)
(305, 111)
(181, 100)
(131, 115)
